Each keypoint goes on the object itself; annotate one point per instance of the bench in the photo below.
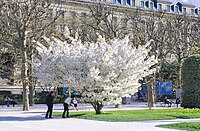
(13, 103)
(170, 103)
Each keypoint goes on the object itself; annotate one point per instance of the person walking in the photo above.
(66, 105)
(49, 103)
(7, 100)
(178, 101)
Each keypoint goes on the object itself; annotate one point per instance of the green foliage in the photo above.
(136, 115)
(17, 97)
(59, 99)
(40, 98)
(191, 82)
(168, 72)
(7, 65)
(1, 99)
(189, 126)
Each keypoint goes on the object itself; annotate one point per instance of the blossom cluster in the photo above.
(101, 71)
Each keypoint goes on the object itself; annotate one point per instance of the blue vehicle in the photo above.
(65, 90)
(164, 88)
(161, 88)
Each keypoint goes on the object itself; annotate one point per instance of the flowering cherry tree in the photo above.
(101, 72)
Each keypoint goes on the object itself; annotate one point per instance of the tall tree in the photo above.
(22, 21)
(183, 35)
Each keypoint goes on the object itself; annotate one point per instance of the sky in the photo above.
(194, 2)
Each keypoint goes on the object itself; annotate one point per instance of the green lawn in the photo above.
(136, 115)
(189, 126)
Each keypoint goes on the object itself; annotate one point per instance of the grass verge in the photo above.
(136, 115)
(189, 126)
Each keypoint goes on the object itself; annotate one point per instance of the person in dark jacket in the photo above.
(49, 103)
(178, 101)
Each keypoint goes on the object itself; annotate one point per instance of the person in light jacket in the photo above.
(66, 105)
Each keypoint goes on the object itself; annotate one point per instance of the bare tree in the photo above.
(172, 36)
(103, 19)
(23, 21)
(183, 35)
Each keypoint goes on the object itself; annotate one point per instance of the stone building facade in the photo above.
(156, 5)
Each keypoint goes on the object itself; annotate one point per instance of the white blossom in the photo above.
(101, 71)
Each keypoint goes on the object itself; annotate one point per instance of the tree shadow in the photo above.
(106, 113)
(14, 118)
(180, 116)
(41, 112)
(77, 115)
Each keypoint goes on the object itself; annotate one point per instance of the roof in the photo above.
(193, 2)
(186, 4)
(164, 1)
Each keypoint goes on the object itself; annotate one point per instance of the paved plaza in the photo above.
(14, 119)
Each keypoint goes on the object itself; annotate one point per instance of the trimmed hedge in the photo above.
(190, 74)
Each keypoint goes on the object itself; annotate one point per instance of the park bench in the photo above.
(172, 103)
(13, 103)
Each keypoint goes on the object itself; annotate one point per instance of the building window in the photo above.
(151, 5)
(197, 11)
(191, 11)
(123, 2)
(184, 10)
(114, 1)
(142, 4)
(159, 7)
(132, 2)
(167, 8)
(176, 9)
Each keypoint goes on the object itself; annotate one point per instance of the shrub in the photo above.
(1, 99)
(190, 74)
(40, 98)
(17, 97)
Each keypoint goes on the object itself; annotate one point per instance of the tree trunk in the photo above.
(179, 66)
(69, 92)
(24, 78)
(118, 106)
(98, 107)
(179, 75)
(24, 71)
(31, 81)
(31, 91)
(151, 95)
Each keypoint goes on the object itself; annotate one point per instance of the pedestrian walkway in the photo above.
(88, 107)
(14, 119)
